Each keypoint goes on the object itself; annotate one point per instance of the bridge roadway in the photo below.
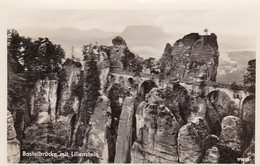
(238, 96)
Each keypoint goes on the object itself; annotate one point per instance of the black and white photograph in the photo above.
(140, 82)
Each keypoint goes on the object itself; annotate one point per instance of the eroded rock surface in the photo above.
(193, 58)
(231, 133)
(13, 144)
(69, 88)
(97, 141)
(190, 140)
(211, 155)
(157, 135)
(125, 130)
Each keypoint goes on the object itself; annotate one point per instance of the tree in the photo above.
(249, 77)
(91, 86)
(206, 31)
(149, 63)
(137, 64)
(36, 58)
(128, 59)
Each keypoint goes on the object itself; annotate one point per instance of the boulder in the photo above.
(211, 155)
(230, 136)
(118, 41)
(191, 140)
(249, 153)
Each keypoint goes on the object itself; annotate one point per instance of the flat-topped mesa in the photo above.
(194, 58)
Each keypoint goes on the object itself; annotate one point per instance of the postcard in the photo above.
(143, 81)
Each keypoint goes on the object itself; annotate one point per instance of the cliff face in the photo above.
(125, 132)
(132, 122)
(69, 79)
(97, 140)
(117, 51)
(13, 145)
(43, 101)
(157, 130)
(193, 58)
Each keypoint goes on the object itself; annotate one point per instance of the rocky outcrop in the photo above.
(43, 101)
(133, 120)
(116, 52)
(68, 95)
(97, 141)
(191, 138)
(231, 133)
(198, 109)
(211, 155)
(125, 130)
(249, 153)
(248, 122)
(193, 58)
(13, 145)
(157, 135)
(177, 100)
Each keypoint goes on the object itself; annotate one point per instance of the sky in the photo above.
(222, 17)
(234, 22)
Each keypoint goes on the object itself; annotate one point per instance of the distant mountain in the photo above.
(146, 40)
(234, 69)
(241, 57)
(68, 37)
(229, 42)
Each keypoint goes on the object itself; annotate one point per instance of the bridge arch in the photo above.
(130, 80)
(121, 80)
(111, 78)
(222, 103)
(247, 99)
(146, 87)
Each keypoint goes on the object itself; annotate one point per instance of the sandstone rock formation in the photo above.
(249, 153)
(190, 140)
(125, 130)
(134, 120)
(231, 133)
(43, 101)
(157, 133)
(13, 145)
(116, 52)
(97, 141)
(69, 80)
(211, 155)
(193, 58)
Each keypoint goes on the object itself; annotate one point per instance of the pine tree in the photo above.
(249, 77)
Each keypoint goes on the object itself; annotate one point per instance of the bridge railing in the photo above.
(131, 73)
(206, 83)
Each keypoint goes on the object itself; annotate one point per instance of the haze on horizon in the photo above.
(235, 30)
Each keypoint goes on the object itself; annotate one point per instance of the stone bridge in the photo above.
(147, 82)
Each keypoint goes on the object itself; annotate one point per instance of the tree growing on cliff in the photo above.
(91, 87)
(34, 58)
(249, 77)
